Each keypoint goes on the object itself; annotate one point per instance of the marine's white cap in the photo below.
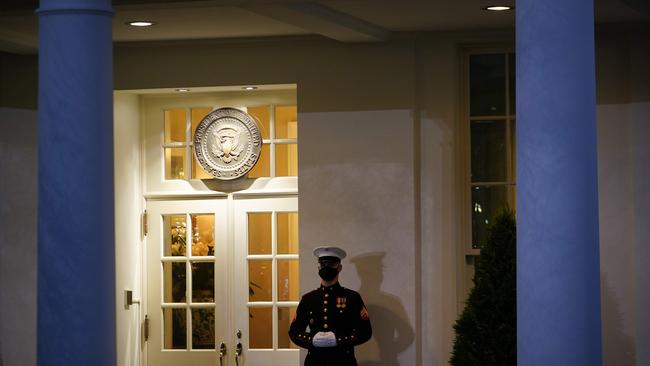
(329, 252)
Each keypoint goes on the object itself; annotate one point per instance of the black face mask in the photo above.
(328, 273)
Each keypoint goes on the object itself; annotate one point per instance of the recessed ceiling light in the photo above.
(249, 87)
(182, 90)
(498, 7)
(140, 23)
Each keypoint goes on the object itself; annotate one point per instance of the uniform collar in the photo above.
(330, 288)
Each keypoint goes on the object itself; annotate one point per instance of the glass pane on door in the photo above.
(202, 235)
(259, 233)
(285, 316)
(203, 323)
(261, 327)
(175, 330)
(273, 275)
(174, 282)
(287, 232)
(260, 278)
(287, 287)
(175, 235)
(202, 282)
(187, 304)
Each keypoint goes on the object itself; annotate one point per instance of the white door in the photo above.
(222, 271)
(187, 289)
(267, 258)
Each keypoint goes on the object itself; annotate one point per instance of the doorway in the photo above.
(221, 258)
(223, 281)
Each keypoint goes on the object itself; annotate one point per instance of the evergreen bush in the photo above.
(486, 332)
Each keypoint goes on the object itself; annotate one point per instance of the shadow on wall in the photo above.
(391, 332)
(618, 347)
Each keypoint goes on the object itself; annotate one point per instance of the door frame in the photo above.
(231, 258)
(152, 186)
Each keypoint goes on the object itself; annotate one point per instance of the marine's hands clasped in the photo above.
(324, 339)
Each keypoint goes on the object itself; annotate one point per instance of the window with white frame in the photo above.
(491, 111)
(278, 125)
(489, 144)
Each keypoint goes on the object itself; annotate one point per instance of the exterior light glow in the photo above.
(249, 88)
(182, 90)
(140, 23)
(498, 8)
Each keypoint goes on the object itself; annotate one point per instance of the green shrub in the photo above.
(486, 332)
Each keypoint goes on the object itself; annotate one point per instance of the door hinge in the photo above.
(146, 328)
(145, 223)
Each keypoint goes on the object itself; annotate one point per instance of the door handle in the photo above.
(238, 351)
(222, 352)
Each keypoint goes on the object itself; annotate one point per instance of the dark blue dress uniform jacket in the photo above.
(334, 309)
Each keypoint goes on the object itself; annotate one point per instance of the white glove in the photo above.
(324, 339)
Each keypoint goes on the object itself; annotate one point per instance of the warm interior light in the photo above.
(249, 88)
(140, 23)
(182, 90)
(498, 7)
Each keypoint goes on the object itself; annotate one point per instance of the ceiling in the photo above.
(342, 20)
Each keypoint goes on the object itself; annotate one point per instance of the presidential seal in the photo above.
(227, 143)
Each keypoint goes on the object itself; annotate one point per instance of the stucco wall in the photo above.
(18, 186)
(624, 158)
(623, 176)
(356, 190)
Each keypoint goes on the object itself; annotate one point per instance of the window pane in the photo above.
(513, 146)
(286, 160)
(486, 203)
(487, 75)
(175, 235)
(197, 115)
(203, 328)
(260, 327)
(197, 170)
(263, 166)
(175, 163)
(263, 116)
(175, 123)
(488, 140)
(285, 316)
(175, 328)
(259, 280)
(203, 282)
(286, 122)
(512, 66)
(174, 282)
(202, 235)
(287, 233)
(288, 280)
(259, 233)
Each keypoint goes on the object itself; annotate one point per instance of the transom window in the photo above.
(278, 125)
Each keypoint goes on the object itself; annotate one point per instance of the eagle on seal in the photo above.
(226, 144)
